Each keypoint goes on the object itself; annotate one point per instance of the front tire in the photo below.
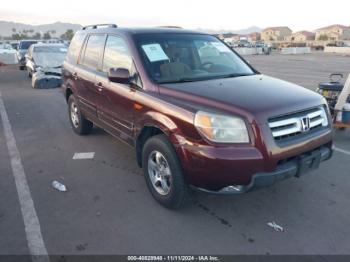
(163, 173)
(79, 123)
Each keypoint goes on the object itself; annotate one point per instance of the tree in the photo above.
(16, 37)
(37, 35)
(47, 35)
(323, 37)
(68, 35)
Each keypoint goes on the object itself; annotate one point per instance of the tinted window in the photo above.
(116, 54)
(93, 50)
(74, 48)
(26, 44)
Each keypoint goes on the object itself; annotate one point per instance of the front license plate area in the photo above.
(308, 163)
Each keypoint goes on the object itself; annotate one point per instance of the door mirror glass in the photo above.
(119, 75)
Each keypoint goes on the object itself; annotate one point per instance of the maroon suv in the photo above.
(196, 112)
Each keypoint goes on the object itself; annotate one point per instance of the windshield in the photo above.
(171, 58)
(49, 55)
(26, 44)
(50, 49)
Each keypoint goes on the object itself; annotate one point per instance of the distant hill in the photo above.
(60, 28)
(244, 31)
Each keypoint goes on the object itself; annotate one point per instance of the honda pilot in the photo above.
(197, 114)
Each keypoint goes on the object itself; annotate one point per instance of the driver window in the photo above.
(117, 55)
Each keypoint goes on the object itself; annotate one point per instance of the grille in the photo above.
(298, 124)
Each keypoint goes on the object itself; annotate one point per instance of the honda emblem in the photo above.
(305, 124)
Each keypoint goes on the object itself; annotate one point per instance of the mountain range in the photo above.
(60, 28)
(6, 28)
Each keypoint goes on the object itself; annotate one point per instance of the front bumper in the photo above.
(292, 168)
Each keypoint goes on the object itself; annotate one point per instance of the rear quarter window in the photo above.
(75, 47)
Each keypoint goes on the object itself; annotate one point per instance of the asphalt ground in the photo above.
(108, 209)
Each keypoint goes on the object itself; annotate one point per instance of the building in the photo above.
(302, 37)
(279, 33)
(333, 33)
(253, 37)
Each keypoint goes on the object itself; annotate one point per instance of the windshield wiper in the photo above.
(184, 79)
(180, 80)
(235, 75)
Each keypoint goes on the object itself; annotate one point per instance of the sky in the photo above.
(193, 14)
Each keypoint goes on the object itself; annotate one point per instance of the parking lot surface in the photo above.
(108, 209)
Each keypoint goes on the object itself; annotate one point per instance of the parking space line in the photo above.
(87, 155)
(342, 151)
(35, 240)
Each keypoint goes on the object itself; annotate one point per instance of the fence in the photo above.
(336, 49)
(295, 50)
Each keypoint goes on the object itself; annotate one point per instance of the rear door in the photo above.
(115, 102)
(85, 74)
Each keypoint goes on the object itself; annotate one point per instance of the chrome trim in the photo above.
(293, 125)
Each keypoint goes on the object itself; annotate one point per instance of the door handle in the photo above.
(75, 76)
(99, 86)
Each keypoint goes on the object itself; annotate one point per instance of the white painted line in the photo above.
(35, 240)
(87, 155)
(342, 151)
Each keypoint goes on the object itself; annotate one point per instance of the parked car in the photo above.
(4, 47)
(21, 52)
(7, 54)
(44, 62)
(196, 113)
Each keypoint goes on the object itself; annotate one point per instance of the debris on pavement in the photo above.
(88, 155)
(60, 187)
(276, 227)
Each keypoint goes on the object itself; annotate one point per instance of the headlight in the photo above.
(325, 112)
(221, 128)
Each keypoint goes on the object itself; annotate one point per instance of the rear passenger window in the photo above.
(74, 48)
(116, 54)
(93, 51)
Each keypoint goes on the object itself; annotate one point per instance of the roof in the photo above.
(332, 26)
(277, 28)
(305, 33)
(152, 30)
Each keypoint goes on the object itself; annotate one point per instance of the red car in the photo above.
(198, 115)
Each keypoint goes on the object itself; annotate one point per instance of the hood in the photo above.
(46, 60)
(259, 96)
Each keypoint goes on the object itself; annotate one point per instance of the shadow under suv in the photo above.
(198, 115)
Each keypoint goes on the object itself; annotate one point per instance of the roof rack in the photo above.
(99, 25)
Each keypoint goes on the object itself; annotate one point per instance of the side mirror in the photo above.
(119, 75)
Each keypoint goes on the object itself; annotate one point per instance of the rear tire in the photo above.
(79, 123)
(163, 173)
